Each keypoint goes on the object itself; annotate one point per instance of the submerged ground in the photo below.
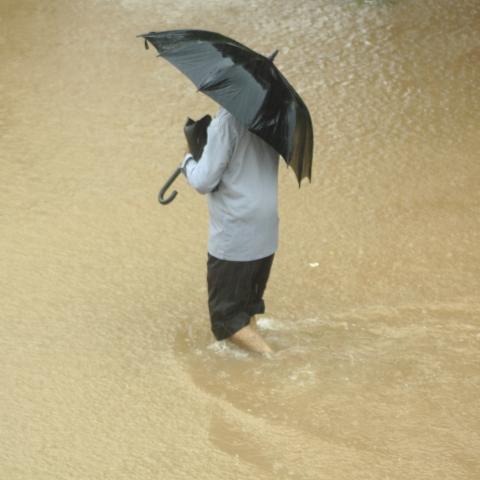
(108, 368)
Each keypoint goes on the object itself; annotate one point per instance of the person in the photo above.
(239, 173)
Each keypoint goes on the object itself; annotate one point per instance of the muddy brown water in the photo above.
(107, 366)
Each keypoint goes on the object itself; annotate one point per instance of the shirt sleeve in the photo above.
(205, 174)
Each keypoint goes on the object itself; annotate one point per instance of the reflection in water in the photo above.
(109, 368)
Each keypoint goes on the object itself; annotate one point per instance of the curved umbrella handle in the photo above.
(166, 201)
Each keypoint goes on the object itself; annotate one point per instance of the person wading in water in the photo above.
(239, 173)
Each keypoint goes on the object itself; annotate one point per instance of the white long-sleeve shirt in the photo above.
(239, 172)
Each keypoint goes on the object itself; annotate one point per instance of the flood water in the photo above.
(108, 368)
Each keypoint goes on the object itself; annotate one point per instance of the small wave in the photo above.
(270, 324)
(225, 349)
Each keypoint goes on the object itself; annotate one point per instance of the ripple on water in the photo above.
(349, 377)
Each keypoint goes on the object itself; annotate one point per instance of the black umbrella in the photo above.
(248, 85)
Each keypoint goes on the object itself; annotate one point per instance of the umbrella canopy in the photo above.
(248, 85)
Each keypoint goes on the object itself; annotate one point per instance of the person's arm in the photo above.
(206, 174)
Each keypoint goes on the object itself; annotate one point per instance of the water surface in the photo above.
(108, 366)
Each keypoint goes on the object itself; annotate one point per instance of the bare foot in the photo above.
(248, 338)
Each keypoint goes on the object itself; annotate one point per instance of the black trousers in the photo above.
(235, 293)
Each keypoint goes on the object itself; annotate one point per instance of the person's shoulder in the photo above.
(225, 117)
(221, 116)
(223, 113)
(224, 120)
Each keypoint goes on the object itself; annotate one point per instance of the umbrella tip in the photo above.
(273, 55)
